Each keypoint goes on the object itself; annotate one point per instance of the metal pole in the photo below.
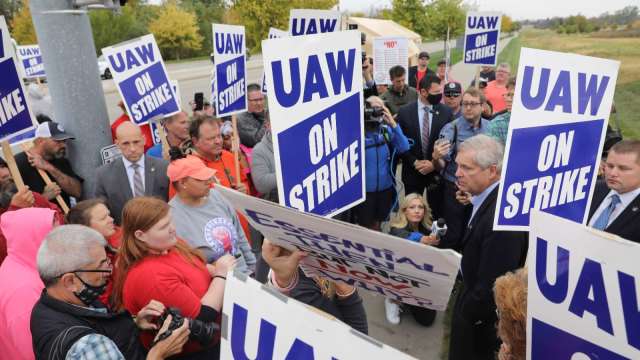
(69, 56)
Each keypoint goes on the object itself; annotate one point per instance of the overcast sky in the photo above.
(518, 9)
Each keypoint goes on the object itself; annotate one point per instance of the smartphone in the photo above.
(198, 99)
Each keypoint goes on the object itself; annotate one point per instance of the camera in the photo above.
(200, 331)
(372, 114)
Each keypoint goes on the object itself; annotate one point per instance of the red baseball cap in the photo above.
(189, 166)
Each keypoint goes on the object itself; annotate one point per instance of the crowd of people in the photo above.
(152, 244)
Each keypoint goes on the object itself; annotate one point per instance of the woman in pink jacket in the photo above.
(25, 229)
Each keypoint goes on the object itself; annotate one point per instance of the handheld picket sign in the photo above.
(15, 116)
(387, 53)
(176, 90)
(582, 292)
(110, 153)
(309, 22)
(315, 104)
(6, 48)
(141, 78)
(382, 264)
(558, 121)
(31, 60)
(481, 38)
(273, 34)
(230, 67)
(260, 323)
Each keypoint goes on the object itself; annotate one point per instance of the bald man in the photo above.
(134, 174)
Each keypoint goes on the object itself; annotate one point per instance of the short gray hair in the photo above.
(487, 151)
(66, 249)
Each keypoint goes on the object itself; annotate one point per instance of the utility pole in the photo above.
(69, 55)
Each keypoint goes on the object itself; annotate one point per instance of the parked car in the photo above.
(103, 67)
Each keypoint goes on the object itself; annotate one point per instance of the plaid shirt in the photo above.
(499, 127)
(94, 347)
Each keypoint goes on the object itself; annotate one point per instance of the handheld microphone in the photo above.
(439, 228)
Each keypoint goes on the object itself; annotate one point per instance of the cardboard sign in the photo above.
(558, 121)
(109, 154)
(387, 53)
(141, 78)
(230, 67)
(386, 265)
(260, 323)
(309, 22)
(273, 34)
(15, 115)
(582, 292)
(315, 103)
(481, 37)
(31, 59)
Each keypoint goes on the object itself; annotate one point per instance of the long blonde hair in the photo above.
(400, 221)
(141, 213)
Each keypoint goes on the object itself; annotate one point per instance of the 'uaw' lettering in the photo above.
(310, 26)
(340, 68)
(11, 105)
(27, 52)
(591, 293)
(550, 191)
(228, 43)
(482, 22)
(266, 339)
(140, 55)
(589, 91)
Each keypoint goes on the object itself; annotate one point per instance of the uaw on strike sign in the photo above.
(142, 79)
(582, 293)
(481, 37)
(558, 121)
(314, 84)
(230, 88)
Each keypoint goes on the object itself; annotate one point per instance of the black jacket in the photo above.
(408, 120)
(56, 326)
(413, 76)
(487, 254)
(627, 224)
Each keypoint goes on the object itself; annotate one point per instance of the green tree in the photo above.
(109, 28)
(507, 24)
(207, 12)
(8, 9)
(443, 15)
(258, 15)
(23, 31)
(176, 31)
(411, 14)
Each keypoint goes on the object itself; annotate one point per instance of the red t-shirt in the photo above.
(146, 131)
(419, 76)
(495, 93)
(170, 279)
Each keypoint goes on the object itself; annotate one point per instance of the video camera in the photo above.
(373, 114)
(200, 331)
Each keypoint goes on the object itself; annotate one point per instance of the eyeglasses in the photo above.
(256, 100)
(104, 262)
(470, 104)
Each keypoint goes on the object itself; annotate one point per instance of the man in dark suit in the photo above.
(421, 121)
(616, 202)
(486, 255)
(134, 174)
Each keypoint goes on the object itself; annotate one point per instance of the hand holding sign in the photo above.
(284, 263)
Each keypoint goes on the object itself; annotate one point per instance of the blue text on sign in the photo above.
(132, 58)
(482, 22)
(229, 43)
(303, 26)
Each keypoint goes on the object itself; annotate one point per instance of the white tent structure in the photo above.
(377, 28)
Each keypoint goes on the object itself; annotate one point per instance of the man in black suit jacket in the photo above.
(418, 171)
(616, 202)
(486, 255)
(118, 182)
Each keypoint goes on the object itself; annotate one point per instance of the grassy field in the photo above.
(626, 50)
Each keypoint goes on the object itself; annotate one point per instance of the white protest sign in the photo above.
(176, 90)
(142, 80)
(309, 22)
(558, 121)
(260, 323)
(6, 48)
(387, 53)
(230, 67)
(481, 38)
(31, 59)
(582, 293)
(409, 272)
(15, 116)
(273, 34)
(315, 104)
(110, 153)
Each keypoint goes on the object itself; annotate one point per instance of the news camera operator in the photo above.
(383, 141)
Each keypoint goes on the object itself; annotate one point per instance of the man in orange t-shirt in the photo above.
(495, 90)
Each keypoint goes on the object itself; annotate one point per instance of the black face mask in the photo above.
(434, 98)
(90, 293)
